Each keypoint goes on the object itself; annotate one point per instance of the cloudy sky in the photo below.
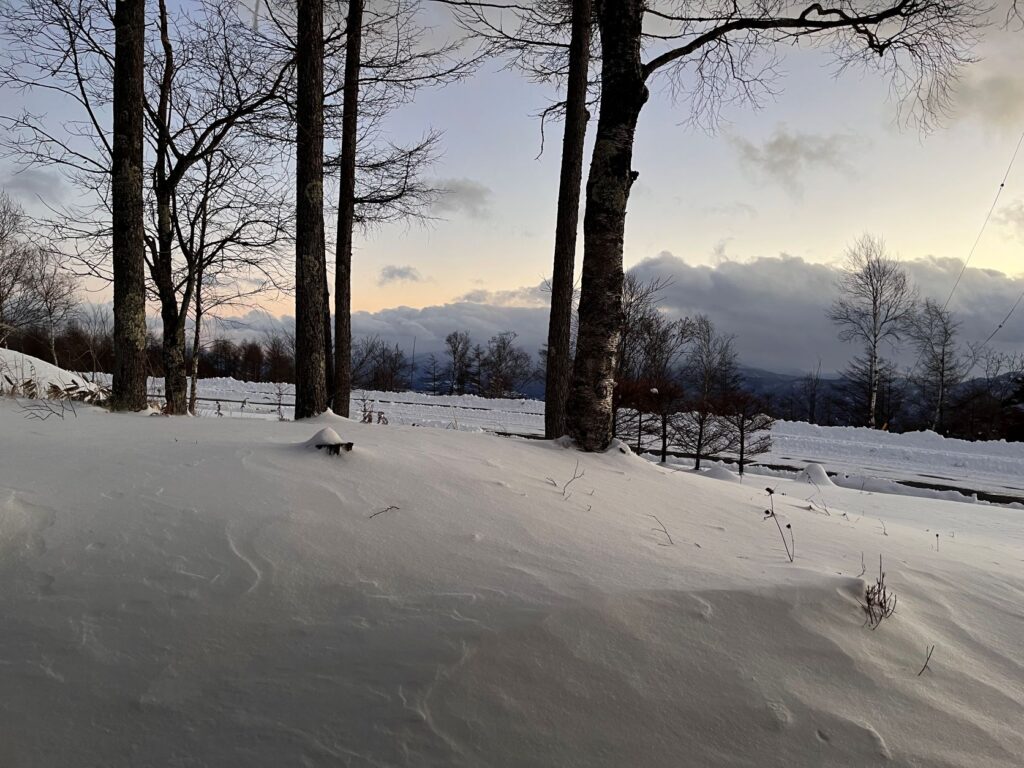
(750, 220)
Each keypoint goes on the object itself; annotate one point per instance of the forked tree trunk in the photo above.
(559, 359)
(171, 315)
(623, 94)
(346, 211)
(310, 266)
(129, 384)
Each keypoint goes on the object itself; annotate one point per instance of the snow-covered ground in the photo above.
(216, 592)
(986, 465)
(864, 458)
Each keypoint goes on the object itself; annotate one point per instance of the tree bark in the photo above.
(196, 336)
(346, 211)
(310, 264)
(559, 358)
(623, 94)
(172, 315)
(127, 241)
(873, 387)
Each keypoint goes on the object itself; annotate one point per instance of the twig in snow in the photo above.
(664, 530)
(770, 513)
(878, 603)
(884, 532)
(928, 658)
(44, 409)
(576, 475)
(863, 568)
(392, 508)
(824, 504)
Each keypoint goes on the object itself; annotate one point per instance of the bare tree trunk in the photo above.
(196, 334)
(346, 211)
(623, 94)
(559, 360)
(743, 444)
(873, 387)
(129, 385)
(172, 317)
(700, 443)
(310, 266)
(328, 346)
(53, 346)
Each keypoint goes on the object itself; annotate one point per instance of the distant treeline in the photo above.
(677, 381)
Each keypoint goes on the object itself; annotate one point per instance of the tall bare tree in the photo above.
(550, 41)
(127, 225)
(346, 211)
(559, 360)
(730, 49)
(941, 366)
(310, 259)
(56, 288)
(876, 304)
(388, 57)
(229, 218)
(19, 302)
(210, 77)
(711, 378)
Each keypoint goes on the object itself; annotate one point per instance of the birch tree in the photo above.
(876, 304)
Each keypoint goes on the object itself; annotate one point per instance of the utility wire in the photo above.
(1020, 298)
(988, 217)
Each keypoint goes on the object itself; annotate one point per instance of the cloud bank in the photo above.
(775, 306)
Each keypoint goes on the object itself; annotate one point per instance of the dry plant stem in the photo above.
(878, 603)
(392, 508)
(576, 475)
(791, 554)
(662, 529)
(928, 658)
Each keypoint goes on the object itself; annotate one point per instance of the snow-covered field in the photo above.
(870, 458)
(216, 592)
(865, 459)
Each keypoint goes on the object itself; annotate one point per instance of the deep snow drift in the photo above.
(216, 592)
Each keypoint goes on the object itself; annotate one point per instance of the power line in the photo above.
(988, 217)
(1005, 320)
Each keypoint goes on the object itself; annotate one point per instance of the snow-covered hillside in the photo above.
(215, 592)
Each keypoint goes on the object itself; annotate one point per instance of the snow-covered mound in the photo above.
(719, 472)
(17, 368)
(326, 436)
(814, 474)
(198, 592)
